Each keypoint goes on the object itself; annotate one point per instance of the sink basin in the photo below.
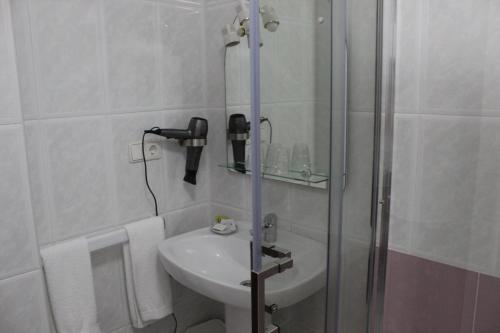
(215, 265)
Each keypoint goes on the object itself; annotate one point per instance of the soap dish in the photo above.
(224, 227)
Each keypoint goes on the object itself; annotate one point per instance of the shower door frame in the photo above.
(338, 167)
(382, 167)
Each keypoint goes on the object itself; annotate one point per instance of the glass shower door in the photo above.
(316, 91)
(294, 114)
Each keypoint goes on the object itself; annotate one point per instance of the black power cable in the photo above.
(154, 198)
(146, 173)
(175, 320)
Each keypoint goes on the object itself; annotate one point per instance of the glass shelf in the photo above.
(314, 180)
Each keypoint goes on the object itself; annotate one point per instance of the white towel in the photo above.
(148, 285)
(71, 287)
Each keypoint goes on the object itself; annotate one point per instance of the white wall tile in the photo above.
(290, 71)
(276, 198)
(216, 17)
(182, 54)
(408, 55)
(455, 185)
(453, 47)
(188, 219)
(317, 234)
(491, 65)
(268, 72)
(38, 182)
(308, 316)
(19, 250)
(404, 173)
(486, 190)
(24, 57)
(297, 10)
(77, 167)
(10, 111)
(448, 166)
(292, 123)
(200, 310)
(132, 47)
(67, 56)
(233, 77)
(22, 304)
(309, 207)
(196, 310)
(234, 213)
(133, 198)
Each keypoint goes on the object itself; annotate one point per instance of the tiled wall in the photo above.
(445, 222)
(446, 190)
(22, 305)
(90, 77)
(425, 296)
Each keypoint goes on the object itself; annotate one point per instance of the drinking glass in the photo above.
(301, 159)
(277, 159)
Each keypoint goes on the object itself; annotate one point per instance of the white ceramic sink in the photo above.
(215, 265)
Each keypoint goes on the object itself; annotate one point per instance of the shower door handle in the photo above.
(346, 118)
(258, 283)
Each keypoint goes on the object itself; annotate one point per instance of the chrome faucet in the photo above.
(270, 227)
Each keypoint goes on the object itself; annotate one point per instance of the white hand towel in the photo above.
(148, 285)
(71, 286)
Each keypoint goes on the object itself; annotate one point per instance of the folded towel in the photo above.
(148, 285)
(71, 287)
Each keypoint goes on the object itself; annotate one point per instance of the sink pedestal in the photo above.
(239, 320)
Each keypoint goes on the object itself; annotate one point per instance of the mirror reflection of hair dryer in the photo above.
(193, 138)
(239, 133)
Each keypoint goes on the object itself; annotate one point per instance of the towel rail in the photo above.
(108, 239)
(104, 240)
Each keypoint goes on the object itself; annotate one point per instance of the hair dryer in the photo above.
(193, 138)
(239, 132)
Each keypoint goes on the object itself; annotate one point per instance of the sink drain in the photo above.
(246, 283)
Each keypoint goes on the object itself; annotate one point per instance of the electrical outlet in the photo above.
(152, 151)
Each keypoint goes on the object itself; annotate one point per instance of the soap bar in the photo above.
(219, 227)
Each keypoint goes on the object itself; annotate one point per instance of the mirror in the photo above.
(294, 93)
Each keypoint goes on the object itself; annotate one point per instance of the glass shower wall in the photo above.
(443, 272)
(320, 59)
(296, 92)
(357, 242)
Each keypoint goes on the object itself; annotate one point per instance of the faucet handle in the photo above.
(270, 220)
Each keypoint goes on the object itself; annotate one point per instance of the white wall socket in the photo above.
(152, 151)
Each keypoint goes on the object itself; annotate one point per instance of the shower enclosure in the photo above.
(408, 94)
(309, 89)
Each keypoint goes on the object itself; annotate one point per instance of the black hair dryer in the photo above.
(238, 133)
(193, 138)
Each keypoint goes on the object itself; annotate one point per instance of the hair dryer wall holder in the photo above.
(193, 138)
(238, 136)
(192, 142)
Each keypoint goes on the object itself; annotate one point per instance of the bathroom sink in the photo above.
(215, 266)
